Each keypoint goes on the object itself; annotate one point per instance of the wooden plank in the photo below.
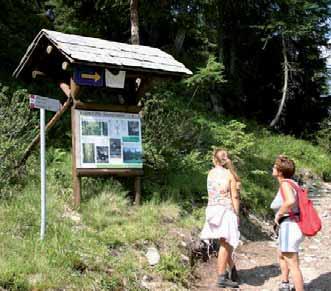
(49, 49)
(74, 89)
(35, 74)
(76, 181)
(65, 66)
(137, 190)
(161, 74)
(107, 107)
(93, 172)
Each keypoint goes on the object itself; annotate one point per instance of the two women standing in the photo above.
(222, 219)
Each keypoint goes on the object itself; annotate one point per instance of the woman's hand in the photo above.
(278, 217)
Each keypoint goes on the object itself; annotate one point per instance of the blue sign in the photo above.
(89, 76)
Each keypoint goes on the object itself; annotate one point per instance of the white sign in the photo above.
(49, 104)
(115, 80)
(109, 140)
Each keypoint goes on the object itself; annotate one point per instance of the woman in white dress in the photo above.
(222, 216)
(289, 233)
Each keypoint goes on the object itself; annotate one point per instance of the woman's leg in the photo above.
(223, 260)
(292, 260)
(223, 256)
(283, 267)
(230, 260)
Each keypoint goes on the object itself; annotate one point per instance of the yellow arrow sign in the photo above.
(96, 77)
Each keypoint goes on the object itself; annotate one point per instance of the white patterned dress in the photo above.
(221, 220)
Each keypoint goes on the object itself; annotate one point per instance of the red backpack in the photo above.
(308, 219)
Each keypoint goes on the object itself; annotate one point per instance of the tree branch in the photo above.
(286, 69)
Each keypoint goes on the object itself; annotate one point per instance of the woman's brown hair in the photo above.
(285, 165)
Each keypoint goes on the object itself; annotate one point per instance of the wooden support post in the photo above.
(107, 107)
(76, 179)
(74, 89)
(137, 190)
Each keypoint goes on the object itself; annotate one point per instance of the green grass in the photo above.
(258, 185)
(104, 248)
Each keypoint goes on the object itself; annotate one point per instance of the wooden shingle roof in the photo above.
(88, 50)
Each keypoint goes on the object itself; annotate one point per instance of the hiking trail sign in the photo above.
(48, 104)
(89, 76)
(105, 123)
(43, 104)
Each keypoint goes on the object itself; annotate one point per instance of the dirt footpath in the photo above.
(257, 262)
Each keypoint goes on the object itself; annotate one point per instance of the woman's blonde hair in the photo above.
(228, 166)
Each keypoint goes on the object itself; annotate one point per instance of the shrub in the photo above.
(323, 136)
(17, 127)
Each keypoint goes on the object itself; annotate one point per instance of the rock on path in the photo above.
(257, 262)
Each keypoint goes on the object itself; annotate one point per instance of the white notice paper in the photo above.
(115, 80)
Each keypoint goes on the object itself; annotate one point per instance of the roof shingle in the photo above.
(81, 49)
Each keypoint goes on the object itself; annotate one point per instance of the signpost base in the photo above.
(137, 190)
(42, 174)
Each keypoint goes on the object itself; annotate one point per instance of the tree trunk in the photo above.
(179, 40)
(220, 34)
(134, 22)
(286, 69)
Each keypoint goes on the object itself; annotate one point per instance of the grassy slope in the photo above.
(100, 247)
(258, 186)
(103, 245)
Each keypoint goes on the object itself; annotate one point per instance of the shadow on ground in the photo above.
(258, 275)
(321, 283)
(251, 230)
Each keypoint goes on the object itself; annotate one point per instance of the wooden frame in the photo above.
(77, 173)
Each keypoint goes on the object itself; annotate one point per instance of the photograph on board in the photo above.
(115, 148)
(88, 153)
(102, 154)
(133, 128)
(132, 155)
(115, 127)
(99, 128)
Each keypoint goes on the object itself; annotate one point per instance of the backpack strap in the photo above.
(296, 188)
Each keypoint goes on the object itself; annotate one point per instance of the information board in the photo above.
(108, 140)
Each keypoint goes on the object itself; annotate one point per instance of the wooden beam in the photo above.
(49, 125)
(137, 190)
(36, 74)
(74, 89)
(91, 172)
(66, 89)
(49, 49)
(76, 180)
(145, 84)
(65, 66)
(107, 107)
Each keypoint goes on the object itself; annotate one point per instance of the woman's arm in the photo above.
(289, 201)
(234, 194)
